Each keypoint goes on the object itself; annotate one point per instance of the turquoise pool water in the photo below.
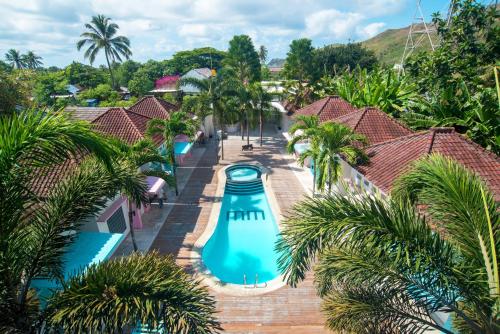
(88, 248)
(243, 174)
(182, 147)
(246, 232)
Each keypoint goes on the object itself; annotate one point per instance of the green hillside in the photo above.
(390, 44)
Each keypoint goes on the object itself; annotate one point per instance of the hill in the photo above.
(390, 44)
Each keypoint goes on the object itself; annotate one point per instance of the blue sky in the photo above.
(159, 28)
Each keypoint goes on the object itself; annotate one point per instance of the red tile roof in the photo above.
(375, 124)
(388, 160)
(328, 108)
(153, 107)
(125, 125)
(48, 177)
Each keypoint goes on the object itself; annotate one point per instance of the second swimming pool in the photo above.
(246, 232)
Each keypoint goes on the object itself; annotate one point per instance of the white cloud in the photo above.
(332, 23)
(370, 30)
(158, 28)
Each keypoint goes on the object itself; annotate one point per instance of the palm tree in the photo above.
(177, 124)
(35, 227)
(263, 54)
(32, 60)
(137, 157)
(329, 142)
(261, 101)
(148, 289)
(15, 59)
(383, 267)
(100, 35)
(214, 92)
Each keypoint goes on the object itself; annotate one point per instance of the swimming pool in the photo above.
(246, 232)
(182, 147)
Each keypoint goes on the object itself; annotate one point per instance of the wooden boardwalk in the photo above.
(285, 310)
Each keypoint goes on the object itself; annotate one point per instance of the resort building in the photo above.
(392, 147)
(196, 73)
(166, 84)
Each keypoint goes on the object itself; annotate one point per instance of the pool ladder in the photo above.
(256, 283)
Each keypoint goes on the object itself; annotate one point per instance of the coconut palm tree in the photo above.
(32, 60)
(177, 124)
(138, 157)
(36, 225)
(101, 35)
(329, 142)
(384, 267)
(214, 92)
(15, 59)
(145, 289)
(261, 101)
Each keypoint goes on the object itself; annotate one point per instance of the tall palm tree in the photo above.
(32, 60)
(177, 124)
(261, 102)
(145, 289)
(35, 228)
(138, 157)
(214, 91)
(384, 267)
(329, 142)
(101, 35)
(15, 59)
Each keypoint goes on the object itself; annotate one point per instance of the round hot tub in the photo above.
(242, 173)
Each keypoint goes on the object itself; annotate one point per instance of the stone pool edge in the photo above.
(195, 256)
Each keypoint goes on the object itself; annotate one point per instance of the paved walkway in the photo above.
(285, 310)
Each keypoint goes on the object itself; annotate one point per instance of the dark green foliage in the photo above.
(13, 92)
(147, 289)
(85, 75)
(141, 83)
(48, 84)
(332, 59)
(456, 76)
(125, 71)
(299, 64)
(243, 59)
(183, 61)
(381, 268)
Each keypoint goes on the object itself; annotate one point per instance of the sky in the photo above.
(159, 28)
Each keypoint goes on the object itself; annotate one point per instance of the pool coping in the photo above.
(204, 273)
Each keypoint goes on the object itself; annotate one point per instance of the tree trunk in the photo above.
(314, 178)
(329, 179)
(248, 130)
(131, 223)
(260, 125)
(110, 70)
(242, 129)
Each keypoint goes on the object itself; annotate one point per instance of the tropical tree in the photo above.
(145, 289)
(15, 59)
(32, 61)
(37, 224)
(101, 35)
(379, 88)
(139, 157)
(329, 142)
(261, 102)
(243, 59)
(178, 123)
(299, 64)
(214, 92)
(263, 54)
(384, 267)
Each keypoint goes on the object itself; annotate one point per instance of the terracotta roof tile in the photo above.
(376, 125)
(388, 160)
(85, 113)
(125, 125)
(328, 108)
(153, 107)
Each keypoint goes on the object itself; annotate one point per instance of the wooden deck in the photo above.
(285, 310)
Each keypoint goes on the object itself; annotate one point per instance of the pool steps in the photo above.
(245, 214)
(244, 187)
